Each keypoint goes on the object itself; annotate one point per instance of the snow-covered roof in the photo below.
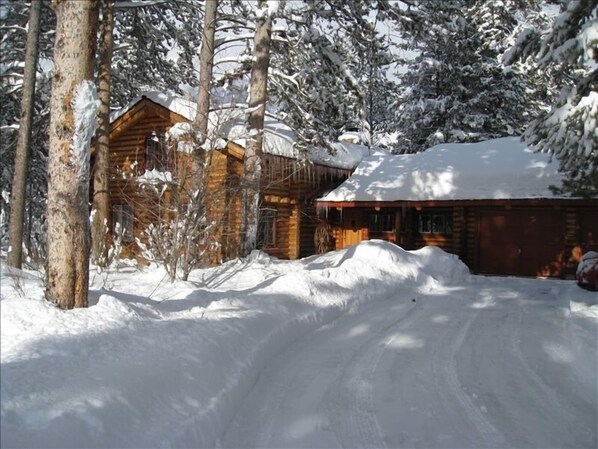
(495, 169)
(173, 103)
(229, 124)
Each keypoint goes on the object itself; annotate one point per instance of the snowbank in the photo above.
(157, 364)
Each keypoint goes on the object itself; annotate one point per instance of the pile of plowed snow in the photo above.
(152, 363)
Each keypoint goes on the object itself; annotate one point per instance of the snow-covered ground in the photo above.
(369, 346)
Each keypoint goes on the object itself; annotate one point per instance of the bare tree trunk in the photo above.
(257, 107)
(17, 203)
(100, 232)
(73, 109)
(206, 60)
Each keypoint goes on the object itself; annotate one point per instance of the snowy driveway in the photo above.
(499, 362)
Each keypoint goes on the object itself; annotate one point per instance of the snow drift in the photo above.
(158, 364)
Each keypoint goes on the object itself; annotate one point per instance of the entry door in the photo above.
(521, 243)
(352, 226)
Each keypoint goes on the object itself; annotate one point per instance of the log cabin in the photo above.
(490, 203)
(151, 166)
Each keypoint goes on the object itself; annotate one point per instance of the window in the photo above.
(122, 222)
(267, 228)
(435, 224)
(382, 223)
(155, 152)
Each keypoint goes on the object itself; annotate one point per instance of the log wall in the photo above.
(579, 228)
(287, 185)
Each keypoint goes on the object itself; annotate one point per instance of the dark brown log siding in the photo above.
(575, 222)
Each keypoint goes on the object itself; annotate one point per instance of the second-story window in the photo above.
(156, 156)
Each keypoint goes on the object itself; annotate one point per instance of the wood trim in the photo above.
(235, 150)
(275, 199)
(552, 202)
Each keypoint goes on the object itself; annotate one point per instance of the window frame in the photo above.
(387, 218)
(156, 152)
(267, 237)
(122, 214)
(435, 223)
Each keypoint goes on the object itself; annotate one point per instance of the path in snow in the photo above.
(498, 363)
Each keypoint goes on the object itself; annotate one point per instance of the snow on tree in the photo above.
(327, 65)
(569, 130)
(456, 89)
(258, 93)
(155, 43)
(74, 106)
(13, 31)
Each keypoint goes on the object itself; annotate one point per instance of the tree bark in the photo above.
(206, 62)
(257, 106)
(67, 273)
(100, 230)
(17, 204)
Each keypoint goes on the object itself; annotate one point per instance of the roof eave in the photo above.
(555, 202)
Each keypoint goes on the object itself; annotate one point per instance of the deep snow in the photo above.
(368, 346)
(493, 169)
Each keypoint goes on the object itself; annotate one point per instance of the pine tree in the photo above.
(206, 62)
(257, 110)
(329, 70)
(568, 131)
(456, 89)
(100, 231)
(17, 210)
(154, 46)
(327, 64)
(13, 32)
(73, 113)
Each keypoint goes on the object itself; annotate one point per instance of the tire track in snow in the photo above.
(545, 395)
(360, 428)
(446, 356)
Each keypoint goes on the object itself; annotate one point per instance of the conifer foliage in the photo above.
(569, 130)
(13, 32)
(456, 89)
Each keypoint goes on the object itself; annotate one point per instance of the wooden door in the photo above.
(529, 243)
(352, 227)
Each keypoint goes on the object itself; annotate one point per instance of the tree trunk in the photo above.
(73, 109)
(206, 60)
(100, 231)
(257, 107)
(17, 203)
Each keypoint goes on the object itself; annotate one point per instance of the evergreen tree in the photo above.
(327, 67)
(155, 44)
(17, 210)
(13, 33)
(456, 89)
(568, 131)
(100, 231)
(255, 125)
(73, 113)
